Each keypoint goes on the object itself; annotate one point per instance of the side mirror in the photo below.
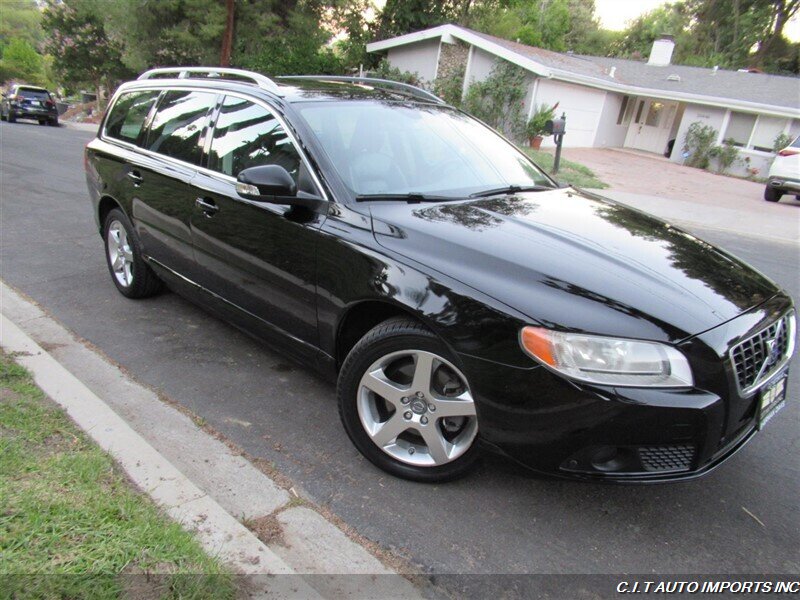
(267, 183)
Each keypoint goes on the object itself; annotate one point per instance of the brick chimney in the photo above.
(661, 52)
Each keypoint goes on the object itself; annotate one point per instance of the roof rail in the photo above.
(215, 72)
(412, 90)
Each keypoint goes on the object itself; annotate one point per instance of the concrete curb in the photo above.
(217, 531)
(197, 479)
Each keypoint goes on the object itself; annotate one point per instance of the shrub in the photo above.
(781, 141)
(385, 70)
(698, 144)
(498, 99)
(726, 155)
(450, 89)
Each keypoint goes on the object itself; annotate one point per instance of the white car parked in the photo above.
(784, 174)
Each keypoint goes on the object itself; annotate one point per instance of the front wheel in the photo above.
(129, 271)
(406, 405)
(772, 194)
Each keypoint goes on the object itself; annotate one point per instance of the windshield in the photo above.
(402, 148)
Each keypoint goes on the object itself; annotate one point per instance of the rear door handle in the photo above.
(135, 177)
(209, 207)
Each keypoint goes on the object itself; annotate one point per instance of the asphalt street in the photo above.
(742, 518)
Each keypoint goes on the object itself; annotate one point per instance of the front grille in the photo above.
(666, 458)
(756, 358)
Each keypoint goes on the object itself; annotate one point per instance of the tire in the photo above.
(11, 118)
(42, 122)
(772, 194)
(130, 273)
(428, 438)
(53, 122)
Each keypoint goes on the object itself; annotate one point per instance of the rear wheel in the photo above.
(129, 271)
(406, 405)
(42, 122)
(11, 117)
(53, 122)
(772, 194)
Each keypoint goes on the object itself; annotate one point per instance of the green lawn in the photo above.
(568, 172)
(71, 525)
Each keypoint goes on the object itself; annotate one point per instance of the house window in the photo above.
(625, 110)
(654, 114)
(739, 128)
(767, 129)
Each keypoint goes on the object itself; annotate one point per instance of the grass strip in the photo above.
(72, 525)
(569, 172)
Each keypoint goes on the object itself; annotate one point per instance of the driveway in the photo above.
(740, 519)
(690, 196)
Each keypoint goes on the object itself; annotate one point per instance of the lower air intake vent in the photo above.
(666, 458)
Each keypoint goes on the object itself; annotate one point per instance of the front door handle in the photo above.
(135, 177)
(209, 207)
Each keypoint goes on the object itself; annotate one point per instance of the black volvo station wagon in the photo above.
(462, 299)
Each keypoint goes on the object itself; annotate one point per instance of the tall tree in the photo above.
(167, 32)
(21, 62)
(553, 24)
(780, 11)
(21, 19)
(718, 32)
(83, 54)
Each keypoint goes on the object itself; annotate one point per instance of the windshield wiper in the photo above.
(409, 197)
(510, 189)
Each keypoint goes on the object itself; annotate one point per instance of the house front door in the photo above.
(650, 126)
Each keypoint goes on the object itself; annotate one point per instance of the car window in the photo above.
(248, 135)
(178, 124)
(33, 94)
(127, 117)
(796, 142)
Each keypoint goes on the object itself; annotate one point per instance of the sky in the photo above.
(614, 14)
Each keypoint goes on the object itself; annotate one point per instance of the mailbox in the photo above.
(555, 126)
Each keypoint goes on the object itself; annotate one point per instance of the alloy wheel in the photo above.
(417, 407)
(120, 255)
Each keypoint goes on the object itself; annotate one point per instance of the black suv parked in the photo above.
(462, 298)
(29, 102)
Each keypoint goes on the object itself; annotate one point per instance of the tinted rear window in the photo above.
(126, 119)
(33, 94)
(178, 124)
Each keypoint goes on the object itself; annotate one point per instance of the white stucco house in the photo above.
(616, 102)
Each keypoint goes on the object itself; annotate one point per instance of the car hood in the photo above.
(574, 260)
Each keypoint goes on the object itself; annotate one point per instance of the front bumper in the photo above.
(558, 427)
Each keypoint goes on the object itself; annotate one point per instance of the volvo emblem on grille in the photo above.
(772, 350)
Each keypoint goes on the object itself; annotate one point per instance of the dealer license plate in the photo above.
(771, 399)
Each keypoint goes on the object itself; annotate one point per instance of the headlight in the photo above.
(607, 361)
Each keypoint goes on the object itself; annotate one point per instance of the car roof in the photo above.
(294, 89)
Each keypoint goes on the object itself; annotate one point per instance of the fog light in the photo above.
(608, 459)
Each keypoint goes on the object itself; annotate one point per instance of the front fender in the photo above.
(353, 269)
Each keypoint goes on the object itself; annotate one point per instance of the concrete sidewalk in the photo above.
(198, 479)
